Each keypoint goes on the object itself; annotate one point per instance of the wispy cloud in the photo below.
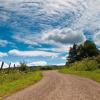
(3, 54)
(3, 42)
(37, 63)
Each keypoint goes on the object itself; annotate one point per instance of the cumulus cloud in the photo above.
(64, 36)
(32, 53)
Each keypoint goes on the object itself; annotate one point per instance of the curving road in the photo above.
(56, 86)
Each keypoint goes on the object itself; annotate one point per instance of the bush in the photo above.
(23, 67)
(98, 60)
(84, 65)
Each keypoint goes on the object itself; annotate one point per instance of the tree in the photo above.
(90, 49)
(23, 67)
(72, 54)
(85, 50)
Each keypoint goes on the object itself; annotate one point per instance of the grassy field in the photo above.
(95, 75)
(15, 81)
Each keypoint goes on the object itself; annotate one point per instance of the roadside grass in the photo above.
(16, 80)
(94, 75)
(88, 67)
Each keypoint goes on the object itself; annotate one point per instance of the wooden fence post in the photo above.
(9, 67)
(14, 66)
(2, 66)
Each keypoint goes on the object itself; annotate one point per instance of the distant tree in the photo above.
(78, 52)
(23, 67)
(90, 49)
(72, 54)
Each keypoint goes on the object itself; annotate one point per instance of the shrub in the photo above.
(23, 67)
(98, 60)
(85, 65)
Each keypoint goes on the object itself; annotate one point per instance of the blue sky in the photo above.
(40, 32)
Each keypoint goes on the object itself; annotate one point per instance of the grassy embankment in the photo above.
(87, 68)
(15, 81)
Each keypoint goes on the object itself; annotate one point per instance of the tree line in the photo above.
(81, 51)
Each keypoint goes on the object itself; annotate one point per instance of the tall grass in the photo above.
(16, 80)
(85, 65)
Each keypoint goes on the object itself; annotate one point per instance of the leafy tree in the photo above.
(85, 50)
(72, 54)
(90, 49)
(23, 67)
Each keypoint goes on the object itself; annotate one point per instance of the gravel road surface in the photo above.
(57, 86)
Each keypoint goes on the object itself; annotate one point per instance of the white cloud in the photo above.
(3, 42)
(16, 64)
(63, 36)
(31, 39)
(49, 6)
(60, 64)
(37, 63)
(3, 54)
(64, 58)
(73, 15)
(97, 38)
(5, 65)
(32, 53)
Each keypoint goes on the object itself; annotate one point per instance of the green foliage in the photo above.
(78, 52)
(98, 60)
(23, 67)
(72, 54)
(90, 49)
(86, 50)
(84, 65)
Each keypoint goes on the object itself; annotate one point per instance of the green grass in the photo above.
(88, 67)
(95, 75)
(15, 81)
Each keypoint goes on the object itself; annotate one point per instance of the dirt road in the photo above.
(56, 86)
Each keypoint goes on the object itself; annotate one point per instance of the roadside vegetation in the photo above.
(14, 79)
(87, 68)
(83, 60)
